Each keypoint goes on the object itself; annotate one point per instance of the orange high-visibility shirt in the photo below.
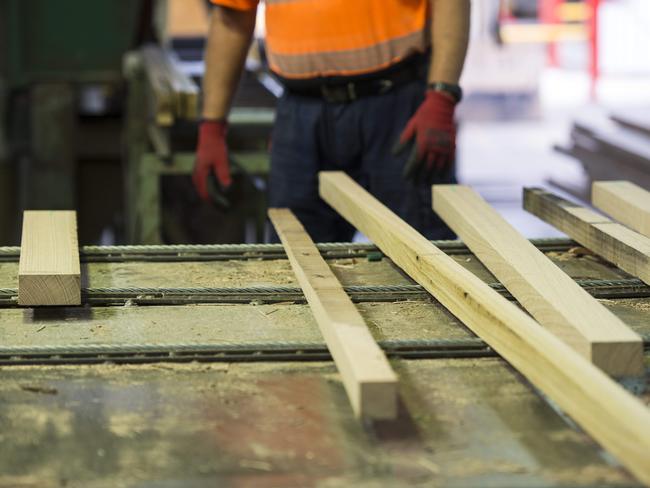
(316, 38)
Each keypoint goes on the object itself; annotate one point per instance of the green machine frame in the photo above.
(68, 40)
(50, 50)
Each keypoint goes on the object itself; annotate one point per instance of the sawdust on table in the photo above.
(477, 467)
(589, 475)
(637, 304)
(346, 263)
(110, 369)
(574, 253)
(233, 273)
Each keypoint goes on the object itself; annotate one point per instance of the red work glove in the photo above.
(431, 133)
(211, 156)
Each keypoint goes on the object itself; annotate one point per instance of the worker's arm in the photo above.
(449, 37)
(229, 38)
(431, 133)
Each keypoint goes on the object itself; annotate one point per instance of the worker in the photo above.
(371, 88)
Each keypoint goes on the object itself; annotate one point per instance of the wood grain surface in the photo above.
(369, 380)
(549, 294)
(49, 271)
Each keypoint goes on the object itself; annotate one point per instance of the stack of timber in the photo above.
(613, 148)
(611, 415)
(174, 95)
(547, 292)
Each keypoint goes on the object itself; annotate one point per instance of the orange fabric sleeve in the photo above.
(237, 4)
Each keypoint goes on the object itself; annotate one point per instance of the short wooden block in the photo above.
(49, 271)
(626, 202)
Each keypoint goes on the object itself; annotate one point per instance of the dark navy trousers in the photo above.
(311, 135)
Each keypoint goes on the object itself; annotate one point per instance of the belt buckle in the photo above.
(339, 94)
(352, 91)
(332, 94)
(385, 86)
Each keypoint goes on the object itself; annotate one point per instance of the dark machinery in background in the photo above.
(61, 63)
(81, 129)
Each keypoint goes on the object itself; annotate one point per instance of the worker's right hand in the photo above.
(211, 156)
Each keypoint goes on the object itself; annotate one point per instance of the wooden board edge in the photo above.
(607, 196)
(373, 394)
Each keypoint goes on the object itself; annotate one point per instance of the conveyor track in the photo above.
(626, 288)
(265, 351)
(229, 352)
(221, 252)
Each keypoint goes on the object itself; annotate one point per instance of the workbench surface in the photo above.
(466, 417)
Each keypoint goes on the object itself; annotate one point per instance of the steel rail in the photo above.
(275, 351)
(216, 252)
(624, 288)
(230, 352)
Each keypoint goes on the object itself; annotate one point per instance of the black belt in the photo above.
(347, 91)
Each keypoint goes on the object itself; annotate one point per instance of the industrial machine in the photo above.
(63, 88)
(161, 134)
(83, 92)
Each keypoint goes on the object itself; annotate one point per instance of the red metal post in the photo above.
(547, 12)
(594, 59)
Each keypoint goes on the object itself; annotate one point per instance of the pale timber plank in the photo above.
(612, 416)
(626, 202)
(187, 18)
(549, 294)
(49, 271)
(627, 249)
(367, 376)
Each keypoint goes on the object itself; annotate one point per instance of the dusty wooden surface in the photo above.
(463, 422)
(236, 273)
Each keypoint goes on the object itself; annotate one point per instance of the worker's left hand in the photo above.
(431, 135)
(211, 174)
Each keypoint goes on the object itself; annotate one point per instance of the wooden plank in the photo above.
(625, 201)
(186, 92)
(174, 93)
(549, 294)
(612, 416)
(627, 249)
(367, 376)
(49, 272)
(542, 33)
(187, 18)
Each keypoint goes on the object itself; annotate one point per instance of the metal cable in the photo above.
(247, 248)
(271, 290)
(390, 346)
(226, 347)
